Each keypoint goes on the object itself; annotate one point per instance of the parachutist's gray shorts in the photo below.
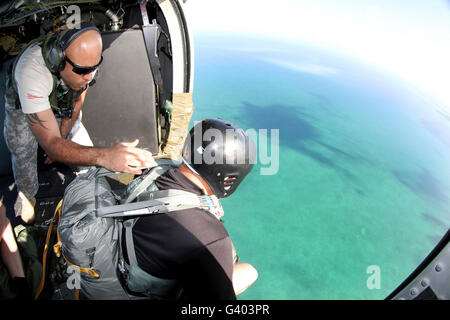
(23, 145)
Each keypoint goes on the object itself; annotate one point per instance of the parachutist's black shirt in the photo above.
(190, 245)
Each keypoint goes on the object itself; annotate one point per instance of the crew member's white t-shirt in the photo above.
(34, 81)
(34, 85)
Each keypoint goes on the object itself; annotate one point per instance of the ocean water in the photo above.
(361, 178)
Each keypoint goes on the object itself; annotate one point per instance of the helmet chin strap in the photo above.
(193, 176)
(189, 166)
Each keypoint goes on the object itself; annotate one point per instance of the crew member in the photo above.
(44, 98)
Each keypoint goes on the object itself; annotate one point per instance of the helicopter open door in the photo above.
(143, 88)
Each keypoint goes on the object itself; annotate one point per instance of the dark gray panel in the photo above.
(120, 107)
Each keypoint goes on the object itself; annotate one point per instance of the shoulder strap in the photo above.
(157, 169)
(136, 279)
(163, 201)
(129, 242)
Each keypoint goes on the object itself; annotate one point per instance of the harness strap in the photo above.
(163, 201)
(131, 252)
(157, 169)
(44, 256)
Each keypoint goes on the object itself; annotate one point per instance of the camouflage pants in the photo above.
(23, 145)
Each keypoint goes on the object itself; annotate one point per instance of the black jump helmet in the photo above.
(221, 153)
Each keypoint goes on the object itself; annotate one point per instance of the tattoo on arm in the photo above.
(34, 119)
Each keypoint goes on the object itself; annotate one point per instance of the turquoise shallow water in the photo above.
(363, 177)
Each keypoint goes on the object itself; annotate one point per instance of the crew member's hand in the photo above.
(125, 157)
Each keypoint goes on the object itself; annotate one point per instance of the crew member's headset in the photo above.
(55, 45)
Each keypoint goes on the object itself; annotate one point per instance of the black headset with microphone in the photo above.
(55, 45)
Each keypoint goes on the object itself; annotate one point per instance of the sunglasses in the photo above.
(83, 70)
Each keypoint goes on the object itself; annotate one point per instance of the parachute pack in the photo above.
(97, 207)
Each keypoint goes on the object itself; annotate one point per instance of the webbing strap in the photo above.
(44, 256)
(147, 181)
(162, 201)
(131, 252)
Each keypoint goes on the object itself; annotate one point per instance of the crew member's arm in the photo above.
(66, 123)
(120, 157)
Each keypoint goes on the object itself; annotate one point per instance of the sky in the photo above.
(409, 38)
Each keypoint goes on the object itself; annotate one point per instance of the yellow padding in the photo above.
(183, 108)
